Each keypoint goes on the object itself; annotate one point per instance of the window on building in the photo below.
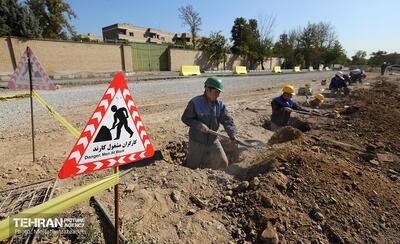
(162, 39)
(131, 34)
(122, 31)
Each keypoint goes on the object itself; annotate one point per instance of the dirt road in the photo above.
(287, 188)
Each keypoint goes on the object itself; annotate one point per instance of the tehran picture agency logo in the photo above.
(49, 222)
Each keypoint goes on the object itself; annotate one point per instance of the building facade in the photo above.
(130, 33)
(93, 37)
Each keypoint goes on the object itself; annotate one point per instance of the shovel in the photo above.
(246, 143)
(313, 113)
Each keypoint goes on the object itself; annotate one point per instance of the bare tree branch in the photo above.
(191, 19)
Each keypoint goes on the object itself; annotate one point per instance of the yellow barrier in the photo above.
(240, 70)
(277, 69)
(189, 70)
(54, 206)
(296, 68)
(63, 121)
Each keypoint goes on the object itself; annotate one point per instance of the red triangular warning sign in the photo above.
(20, 77)
(114, 135)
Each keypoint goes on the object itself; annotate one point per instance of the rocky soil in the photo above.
(335, 182)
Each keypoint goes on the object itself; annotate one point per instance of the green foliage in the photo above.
(216, 48)
(246, 39)
(80, 38)
(377, 58)
(54, 17)
(310, 46)
(359, 58)
(17, 20)
(286, 47)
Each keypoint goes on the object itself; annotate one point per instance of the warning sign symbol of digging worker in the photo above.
(114, 135)
(20, 77)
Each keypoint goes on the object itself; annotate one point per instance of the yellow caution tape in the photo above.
(8, 227)
(7, 98)
(63, 121)
(54, 206)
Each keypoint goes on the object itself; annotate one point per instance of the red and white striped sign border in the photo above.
(71, 166)
(47, 85)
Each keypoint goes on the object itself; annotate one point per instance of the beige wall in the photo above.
(179, 57)
(6, 66)
(270, 63)
(65, 57)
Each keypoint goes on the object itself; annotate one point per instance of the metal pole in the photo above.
(31, 99)
(107, 217)
(116, 209)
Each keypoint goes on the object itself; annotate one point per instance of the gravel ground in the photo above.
(16, 113)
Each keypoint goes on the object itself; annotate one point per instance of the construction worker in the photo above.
(356, 75)
(338, 84)
(383, 68)
(203, 113)
(282, 106)
(316, 103)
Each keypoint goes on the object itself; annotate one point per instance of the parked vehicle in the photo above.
(394, 67)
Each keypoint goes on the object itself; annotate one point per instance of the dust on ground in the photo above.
(336, 182)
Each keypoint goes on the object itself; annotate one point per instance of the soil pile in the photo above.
(339, 186)
(284, 134)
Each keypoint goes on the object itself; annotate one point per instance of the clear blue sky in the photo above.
(368, 25)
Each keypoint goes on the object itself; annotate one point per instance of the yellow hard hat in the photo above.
(320, 97)
(288, 89)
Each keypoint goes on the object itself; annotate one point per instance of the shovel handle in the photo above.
(212, 132)
(227, 137)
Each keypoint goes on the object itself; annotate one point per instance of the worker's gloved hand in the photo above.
(287, 109)
(204, 128)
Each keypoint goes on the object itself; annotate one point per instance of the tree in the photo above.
(17, 20)
(264, 29)
(191, 19)
(316, 42)
(54, 17)
(335, 54)
(245, 38)
(359, 58)
(216, 48)
(237, 33)
(377, 58)
(287, 47)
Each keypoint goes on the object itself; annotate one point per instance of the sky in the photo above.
(368, 25)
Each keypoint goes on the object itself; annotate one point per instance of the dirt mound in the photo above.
(303, 126)
(350, 110)
(175, 152)
(307, 195)
(285, 134)
(374, 115)
(338, 187)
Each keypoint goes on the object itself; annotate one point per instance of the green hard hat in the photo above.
(215, 82)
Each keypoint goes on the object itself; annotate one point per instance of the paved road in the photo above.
(16, 113)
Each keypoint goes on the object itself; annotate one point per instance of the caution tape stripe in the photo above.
(11, 97)
(63, 121)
